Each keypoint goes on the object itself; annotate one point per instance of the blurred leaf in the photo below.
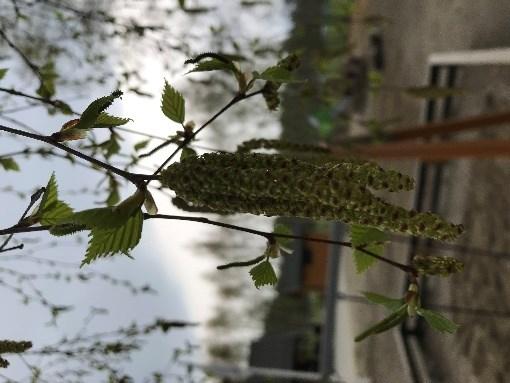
(285, 243)
(437, 321)
(391, 304)
(366, 236)
(141, 145)
(48, 76)
(3, 71)
(173, 104)
(263, 274)
(113, 191)
(276, 74)
(9, 164)
(387, 323)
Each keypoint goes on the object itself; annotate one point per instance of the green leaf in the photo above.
(187, 152)
(3, 71)
(51, 210)
(111, 146)
(48, 75)
(141, 145)
(9, 164)
(366, 236)
(276, 74)
(66, 229)
(387, 323)
(437, 321)
(173, 104)
(107, 217)
(211, 65)
(263, 274)
(391, 304)
(91, 114)
(105, 120)
(105, 242)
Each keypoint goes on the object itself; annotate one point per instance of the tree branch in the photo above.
(134, 178)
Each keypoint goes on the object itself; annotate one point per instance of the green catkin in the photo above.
(12, 347)
(274, 185)
(442, 266)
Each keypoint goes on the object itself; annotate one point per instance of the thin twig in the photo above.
(187, 140)
(132, 177)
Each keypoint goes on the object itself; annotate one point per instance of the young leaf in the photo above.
(276, 74)
(366, 236)
(391, 304)
(122, 239)
(387, 323)
(9, 164)
(107, 218)
(187, 152)
(437, 321)
(211, 65)
(173, 104)
(105, 120)
(91, 114)
(3, 71)
(263, 274)
(51, 210)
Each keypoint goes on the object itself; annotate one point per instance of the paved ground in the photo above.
(475, 193)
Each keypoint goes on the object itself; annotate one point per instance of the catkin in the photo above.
(274, 185)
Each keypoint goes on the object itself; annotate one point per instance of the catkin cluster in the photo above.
(274, 185)
(443, 266)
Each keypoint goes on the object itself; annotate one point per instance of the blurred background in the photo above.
(168, 315)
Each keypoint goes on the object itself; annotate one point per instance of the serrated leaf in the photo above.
(67, 229)
(437, 321)
(391, 304)
(107, 217)
(3, 71)
(9, 164)
(387, 323)
(187, 152)
(211, 65)
(51, 210)
(105, 242)
(366, 236)
(173, 104)
(105, 120)
(94, 110)
(263, 274)
(276, 74)
(141, 145)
